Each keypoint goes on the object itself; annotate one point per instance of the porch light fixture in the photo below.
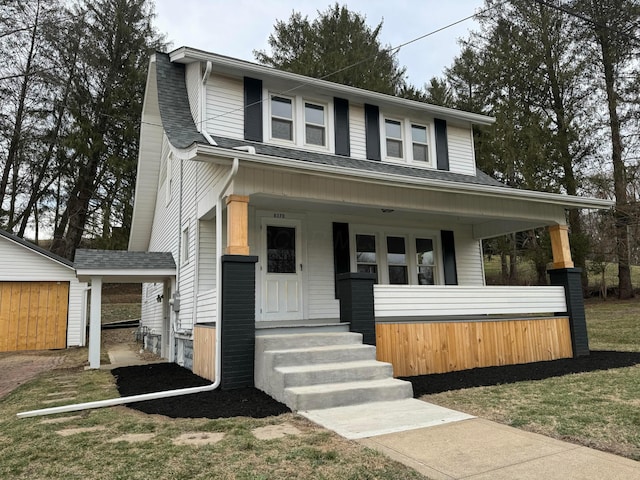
(387, 210)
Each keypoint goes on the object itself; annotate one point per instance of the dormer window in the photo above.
(300, 122)
(282, 118)
(420, 143)
(314, 124)
(407, 141)
(393, 133)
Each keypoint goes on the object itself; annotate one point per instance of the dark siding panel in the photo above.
(238, 321)
(372, 130)
(252, 109)
(357, 304)
(342, 138)
(442, 146)
(341, 260)
(449, 257)
(571, 280)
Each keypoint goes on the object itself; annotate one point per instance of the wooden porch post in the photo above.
(237, 225)
(560, 246)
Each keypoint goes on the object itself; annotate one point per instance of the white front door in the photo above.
(281, 270)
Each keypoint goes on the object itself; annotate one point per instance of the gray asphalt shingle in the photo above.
(123, 259)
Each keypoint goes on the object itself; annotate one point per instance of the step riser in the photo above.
(374, 372)
(341, 398)
(307, 340)
(337, 328)
(350, 353)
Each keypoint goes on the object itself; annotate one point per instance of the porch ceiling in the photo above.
(485, 226)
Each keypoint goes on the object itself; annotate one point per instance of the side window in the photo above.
(393, 133)
(366, 259)
(420, 145)
(314, 124)
(281, 118)
(397, 261)
(184, 251)
(425, 260)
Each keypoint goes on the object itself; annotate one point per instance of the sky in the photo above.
(236, 28)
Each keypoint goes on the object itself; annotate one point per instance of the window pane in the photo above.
(314, 114)
(281, 129)
(393, 129)
(281, 249)
(398, 275)
(366, 243)
(394, 148)
(420, 153)
(425, 276)
(419, 134)
(424, 248)
(396, 251)
(281, 107)
(315, 135)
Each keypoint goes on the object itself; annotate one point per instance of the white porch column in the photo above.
(95, 324)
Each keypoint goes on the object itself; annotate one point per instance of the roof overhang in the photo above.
(234, 66)
(219, 155)
(125, 275)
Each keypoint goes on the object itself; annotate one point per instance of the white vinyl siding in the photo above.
(461, 154)
(225, 107)
(358, 138)
(207, 295)
(21, 264)
(320, 276)
(151, 308)
(469, 262)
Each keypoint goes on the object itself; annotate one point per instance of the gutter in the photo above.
(181, 391)
(395, 179)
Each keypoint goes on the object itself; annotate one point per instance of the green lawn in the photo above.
(599, 409)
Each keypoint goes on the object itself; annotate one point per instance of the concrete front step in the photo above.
(323, 373)
(316, 355)
(269, 330)
(313, 397)
(307, 339)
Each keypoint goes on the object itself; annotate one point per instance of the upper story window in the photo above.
(299, 122)
(407, 141)
(314, 124)
(420, 143)
(393, 134)
(282, 118)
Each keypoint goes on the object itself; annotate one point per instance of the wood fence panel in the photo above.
(438, 347)
(33, 315)
(204, 352)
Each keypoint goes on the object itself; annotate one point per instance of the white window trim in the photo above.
(407, 141)
(169, 179)
(381, 233)
(293, 119)
(325, 109)
(299, 123)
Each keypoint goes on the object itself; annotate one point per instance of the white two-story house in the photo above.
(315, 179)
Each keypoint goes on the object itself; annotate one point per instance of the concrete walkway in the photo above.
(122, 355)
(443, 444)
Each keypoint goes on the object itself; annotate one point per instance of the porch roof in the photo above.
(122, 266)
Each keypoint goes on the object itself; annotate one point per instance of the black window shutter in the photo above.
(341, 113)
(449, 258)
(341, 260)
(252, 109)
(442, 146)
(372, 131)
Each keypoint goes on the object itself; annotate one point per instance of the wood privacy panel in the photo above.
(204, 352)
(439, 347)
(33, 315)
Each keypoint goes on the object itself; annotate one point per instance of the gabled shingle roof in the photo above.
(123, 260)
(36, 248)
(182, 133)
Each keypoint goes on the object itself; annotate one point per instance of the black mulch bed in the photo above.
(251, 402)
(242, 402)
(478, 377)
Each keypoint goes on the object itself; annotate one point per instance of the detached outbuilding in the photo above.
(41, 300)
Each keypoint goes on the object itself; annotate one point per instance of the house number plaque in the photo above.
(278, 215)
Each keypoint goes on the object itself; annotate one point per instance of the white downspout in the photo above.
(202, 121)
(167, 393)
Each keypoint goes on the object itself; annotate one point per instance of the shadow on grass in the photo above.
(479, 377)
(241, 402)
